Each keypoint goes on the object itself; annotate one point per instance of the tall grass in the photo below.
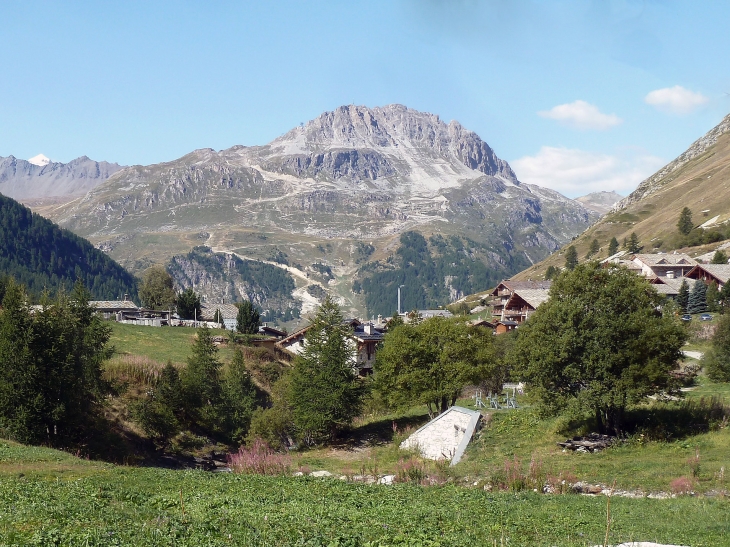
(259, 459)
(133, 369)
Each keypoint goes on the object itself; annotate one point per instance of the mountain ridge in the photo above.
(26, 181)
(355, 174)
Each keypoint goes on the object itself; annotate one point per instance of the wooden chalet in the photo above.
(365, 337)
(719, 273)
(514, 301)
(109, 309)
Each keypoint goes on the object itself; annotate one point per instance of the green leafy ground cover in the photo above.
(51, 498)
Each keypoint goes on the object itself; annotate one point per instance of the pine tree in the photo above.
(248, 318)
(684, 225)
(571, 258)
(698, 298)
(612, 246)
(201, 381)
(325, 394)
(633, 244)
(719, 257)
(551, 272)
(593, 249)
(240, 399)
(683, 296)
(713, 297)
(188, 304)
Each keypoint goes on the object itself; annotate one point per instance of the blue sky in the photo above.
(578, 96)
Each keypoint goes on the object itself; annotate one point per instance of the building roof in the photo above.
(721, 272)
(534, 297)
(652, 260)
(207, 311)
(513, 285)
(425, 314)
(113, 304)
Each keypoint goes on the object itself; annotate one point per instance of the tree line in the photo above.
(43, 257)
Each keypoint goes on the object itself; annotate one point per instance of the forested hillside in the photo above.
(433, 272)
(42, 256)
(223, 277)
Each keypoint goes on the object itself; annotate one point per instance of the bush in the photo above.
(259, 459)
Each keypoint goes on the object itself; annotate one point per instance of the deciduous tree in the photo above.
(156, 291)
(431, 362)
(599, 343)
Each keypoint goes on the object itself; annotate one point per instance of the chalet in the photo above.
(514, 301)
(365, 338)
(108, 309)
(505, 326)
(622, 259)
(664, 265)
(228, 311)
(719, 273)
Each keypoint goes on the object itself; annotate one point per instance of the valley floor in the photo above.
(52, 498)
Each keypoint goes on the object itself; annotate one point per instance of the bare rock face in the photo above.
(352, 175)
(25, 181)
(600, 202)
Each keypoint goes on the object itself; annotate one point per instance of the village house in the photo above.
(229, 313)
(719, 273)
(109, 309)
(514, 301)
(365, 338)
(669, 286)
(664, 265)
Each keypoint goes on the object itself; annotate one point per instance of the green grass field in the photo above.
(161, 344)
(51, 498)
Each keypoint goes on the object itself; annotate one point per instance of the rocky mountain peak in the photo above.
(39, 160)
(396, 131)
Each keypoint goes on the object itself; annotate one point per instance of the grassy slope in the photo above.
(161, 344)
(52, 498)
(701, 184)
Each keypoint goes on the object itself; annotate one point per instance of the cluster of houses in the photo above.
(669, 271)
(512, 303)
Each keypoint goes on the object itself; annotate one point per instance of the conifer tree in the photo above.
(698, 298)
(719, 257)
(612, 246)
(684, 224)
(713, 297)
(593, 249)
(571, 258)
(248, 318)
(551, 272)
(325, 394)
(633, 245)
(201, 381)
(683, 296)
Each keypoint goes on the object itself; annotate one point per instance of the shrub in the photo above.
(259, 459)
(411, 470)
(682, 485)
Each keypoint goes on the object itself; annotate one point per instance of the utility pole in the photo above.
(399, 298)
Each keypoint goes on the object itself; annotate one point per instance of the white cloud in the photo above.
(675, 100)
(581, 115)
(576, 173)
